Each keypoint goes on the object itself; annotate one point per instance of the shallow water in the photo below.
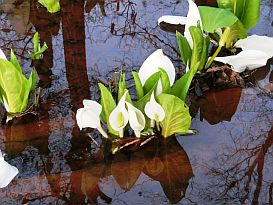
(229, 161)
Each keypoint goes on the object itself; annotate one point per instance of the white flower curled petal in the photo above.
(154, 110)
(192, 20)
(96, 107)
(86, 117)
(255, 42)
(150, 66)
(248, 59)
(136, 119)
(119, 116)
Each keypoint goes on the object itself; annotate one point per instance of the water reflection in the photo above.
(57, 163)
(168, 164)
(243, 172)
(217, 105)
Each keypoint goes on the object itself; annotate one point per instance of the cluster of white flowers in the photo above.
(89, 115)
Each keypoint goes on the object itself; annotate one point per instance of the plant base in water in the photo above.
(216, 77)
(130, 144)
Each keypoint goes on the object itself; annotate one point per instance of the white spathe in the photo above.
(154, 111)
(255, 42)
(119, 117)
(7, 172)
(247, 59)
(192, 19)
(136, 119)
(89, 116)
(2, 55)
(175, 20)
(150, 66)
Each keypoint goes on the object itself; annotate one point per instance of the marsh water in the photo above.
(229, 160)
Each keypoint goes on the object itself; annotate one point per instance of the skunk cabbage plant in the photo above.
(167, 110)
(7, 172)
(38, 50)
(227, 26)
(89, 116)
(52, 6)
(14, 86)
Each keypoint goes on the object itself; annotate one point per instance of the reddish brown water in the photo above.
(229, 161)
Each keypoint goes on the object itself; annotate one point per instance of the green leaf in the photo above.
(35, 41)
(181, 87)
(52, 6)
(14, 87)
(38, 51)
(237, 31)
(121, 86)
(214, 18)
(177, 117)
(140, 104)
(151, 81)
(108, 105)
(199, 47)
(247, 11)
(184, 48)
(30, 86)
(165, 80)
(205, 53)
(139, 88)
(14, 61)
(37, 55)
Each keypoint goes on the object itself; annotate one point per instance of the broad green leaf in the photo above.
(177, 119)
(151, 81)
(14, 61)
(237, 31)
(214, 18)
(184, 48)
(121, 86)
(198, 44)
(108, 105)
(31, 83)
(205, 53)
(248, 11)
(14, 86)
(181, 87)
(52, 6)
(139, 88)
(165, 80)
